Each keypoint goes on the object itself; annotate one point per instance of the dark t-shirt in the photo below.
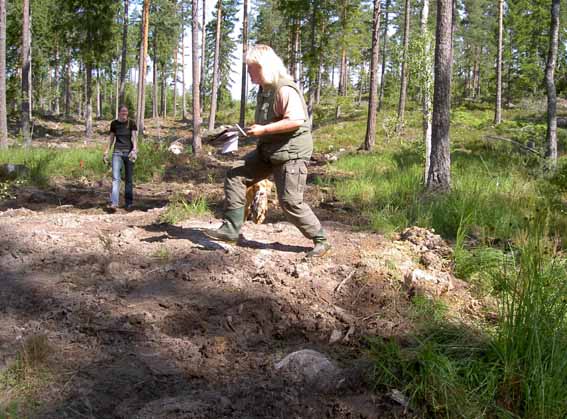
(123, 133)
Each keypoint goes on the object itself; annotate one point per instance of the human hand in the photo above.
(256, 130)
(133, 155)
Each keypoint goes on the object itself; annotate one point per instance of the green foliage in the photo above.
(179, 209)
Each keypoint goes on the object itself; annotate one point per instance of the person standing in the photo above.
(284, 147)
(123, 139)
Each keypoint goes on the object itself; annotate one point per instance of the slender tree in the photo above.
(123, 60)
(404, 76)
(215, 91)
(427, 81)
(196, 78)
(385, 41)
(155, 78)
(175, 71)
(370, 138)
(183, 86)
(26, 73)
(551, 135)
(244, 87)
(142, 66)
(203, 52)
(439, 176)
(498, 104)
(3, 109)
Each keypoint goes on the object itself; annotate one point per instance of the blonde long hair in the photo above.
(273, 68)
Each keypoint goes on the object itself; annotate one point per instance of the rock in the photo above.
(427, 282)
(399, 397)
(336, 336)
(204, 405)
(425, 240)
(13, 171)
(176, 147)
(311, 368)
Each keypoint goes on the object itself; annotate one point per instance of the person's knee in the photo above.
(290, 206)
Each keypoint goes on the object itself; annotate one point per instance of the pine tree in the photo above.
(196, 78)
(551, 135)
(26, 74)
(3, 108)
(370, 138)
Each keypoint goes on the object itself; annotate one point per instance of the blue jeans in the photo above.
(119, 159)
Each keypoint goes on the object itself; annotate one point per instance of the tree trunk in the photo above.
(296, 53)
(56, 83)
(404, 76)
(203, 45)
(383, 69)
(244, 89)
(142, 67)
(183, 100)
(68, 78)
(155, 80)
(26, 71)
(439, 176)
(498, 105)
(122, 87)
(196, 79)
(3, 108)
(312, 72)
(551, 135)
(215, 92)
(426, 88)
(343, 74)
(117, 96)
(175, 54)
(3, 104)
(370, 138)
(98, 95)
(89, 101)
(163, 93)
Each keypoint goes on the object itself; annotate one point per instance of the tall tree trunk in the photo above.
(142, 67)
(439, 176)
(551, 135)
(313, 53)
(56, 83)
(175, 54)
(244, 88)
(427, 85)
(122, 88)
(68, 79)
(370, 138)
(155, 80)
(343, 79)
(3, 108)
(215, 92)
(183, 100)
(196, 78)
(89, 101)
(383, 69)
(117, 96)
(163, 93)
(405, 70)
(498, 104)
(203, 45)
(26, 71)
(98, 95)
(296, 53)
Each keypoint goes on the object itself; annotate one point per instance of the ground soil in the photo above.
(152, 320)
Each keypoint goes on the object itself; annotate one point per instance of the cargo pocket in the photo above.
(295, 179)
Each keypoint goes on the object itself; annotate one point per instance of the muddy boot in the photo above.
(321, 246)
(230, 229)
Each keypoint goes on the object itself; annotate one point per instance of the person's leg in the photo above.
(291, 178)
(116, 168)
(129, 187)
(237, 180)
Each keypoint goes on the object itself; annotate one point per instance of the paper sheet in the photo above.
(230, 145)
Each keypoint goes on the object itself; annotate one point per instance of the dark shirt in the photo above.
(123, 133)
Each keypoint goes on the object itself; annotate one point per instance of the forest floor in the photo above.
(120, 315)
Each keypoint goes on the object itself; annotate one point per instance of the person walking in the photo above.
(284, 148)
(123, 139)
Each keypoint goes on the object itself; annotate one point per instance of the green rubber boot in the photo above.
(321, 245)
(230, 229)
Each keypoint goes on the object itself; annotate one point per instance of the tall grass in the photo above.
(180, 209)
(519, 369)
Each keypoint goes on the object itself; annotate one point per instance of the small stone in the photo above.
(336, 336)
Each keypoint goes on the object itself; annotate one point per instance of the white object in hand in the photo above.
(231, 144)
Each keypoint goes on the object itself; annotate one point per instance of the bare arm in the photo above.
(111, 139)
(285, 125)
(135, 141)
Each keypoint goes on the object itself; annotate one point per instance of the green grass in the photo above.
(45, 163)
(516, 369)
(180, 209)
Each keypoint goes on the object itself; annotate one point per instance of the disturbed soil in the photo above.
(150, 320)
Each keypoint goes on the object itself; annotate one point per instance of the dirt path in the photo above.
(156, 321)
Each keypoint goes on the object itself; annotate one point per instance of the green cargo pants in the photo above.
(290, 178)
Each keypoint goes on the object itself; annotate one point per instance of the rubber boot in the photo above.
(321, 245)
(230, 229)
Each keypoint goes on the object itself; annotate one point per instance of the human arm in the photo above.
(134, 152)
(111, 139)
